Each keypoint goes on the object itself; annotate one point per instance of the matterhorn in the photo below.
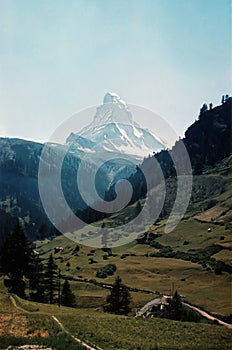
(114, 130)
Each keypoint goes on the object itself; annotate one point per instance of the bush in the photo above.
(76, 250)
(107, 270)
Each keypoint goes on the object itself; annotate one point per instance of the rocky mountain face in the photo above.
(113, 130)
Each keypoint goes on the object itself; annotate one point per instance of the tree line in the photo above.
(24, 269)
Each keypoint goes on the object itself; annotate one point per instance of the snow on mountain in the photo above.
(113, 130)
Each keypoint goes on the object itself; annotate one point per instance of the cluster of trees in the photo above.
(204, 108)
(176, 310)
(119, 299)
(199, 256)
(24, 269)
(105, 271)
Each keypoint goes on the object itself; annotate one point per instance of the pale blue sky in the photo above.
(58, 57)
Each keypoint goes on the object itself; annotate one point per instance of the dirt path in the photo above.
(60, 324)
(209, 317)
(72, 336)
(12, 299)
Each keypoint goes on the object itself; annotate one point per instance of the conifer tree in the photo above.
(67, 296)
(175, 307)
(16, 258)
(118, 301)
(36, 280)
(204, 108)
(51, 280)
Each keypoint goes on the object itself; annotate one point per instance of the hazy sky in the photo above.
(58, 57)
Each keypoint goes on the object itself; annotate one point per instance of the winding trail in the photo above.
(208, 316)
(60, 324)
(72, 336)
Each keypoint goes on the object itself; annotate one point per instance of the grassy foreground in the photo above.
(20, 328)
(110, 332)
(114, 332)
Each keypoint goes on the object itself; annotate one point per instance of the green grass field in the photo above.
(111, 332)
(197, 284)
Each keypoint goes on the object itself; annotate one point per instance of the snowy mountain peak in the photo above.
(113, 110)
(112, 97)
(113, 130)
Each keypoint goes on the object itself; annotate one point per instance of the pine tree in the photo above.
(16, 258)
(36, 280)
(51, 280)
(204, 108)
(226, 97)
(118, 301)
(175, 307)
(67, 296)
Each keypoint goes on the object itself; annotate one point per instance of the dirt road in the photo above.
(60, 324)
(209, 317)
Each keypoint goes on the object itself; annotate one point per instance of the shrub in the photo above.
(107, 270)
(76, 250)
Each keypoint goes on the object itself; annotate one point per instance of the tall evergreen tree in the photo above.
(175, 308)
(67, 296)
(119, 299)
(204, 108)
(36, 280)
(51, 280)
(15, 261)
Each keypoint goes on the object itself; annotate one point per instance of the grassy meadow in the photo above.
(138, 269)
(110, 332)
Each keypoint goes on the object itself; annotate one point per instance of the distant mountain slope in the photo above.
(19, 195)
(207, 141)
(19, 192)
